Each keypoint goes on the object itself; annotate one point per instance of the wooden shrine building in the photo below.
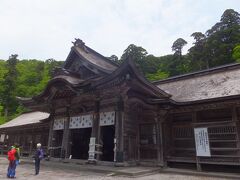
(100, 111)
(27, 130)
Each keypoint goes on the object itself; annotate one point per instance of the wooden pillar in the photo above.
(194, 120)
(17, 139)
(119, 131)
(51, 132)
(161, 116)
(158, 142)
(68, 145)
(66, 137)
(50, 137)
(5, 141)
(31, 144)
(237, 123)
(95, 132)
(96, 129)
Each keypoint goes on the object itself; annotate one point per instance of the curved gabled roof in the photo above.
(66, 80)
(95, 58)
(90, 58)
(69, 81)
(128, 66)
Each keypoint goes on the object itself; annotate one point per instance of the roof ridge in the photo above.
(199, 73)
(79, 43)
(105, 58)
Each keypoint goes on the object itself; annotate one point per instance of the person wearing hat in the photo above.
(38, 157)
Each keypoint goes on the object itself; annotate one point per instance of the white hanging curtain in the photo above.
(2, 137)
(83, 121)
(59, 123)
(107, 118)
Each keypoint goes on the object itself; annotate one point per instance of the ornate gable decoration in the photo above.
(60, 71)
(79, 43)
(129, 73)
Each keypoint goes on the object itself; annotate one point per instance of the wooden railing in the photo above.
(223, 139)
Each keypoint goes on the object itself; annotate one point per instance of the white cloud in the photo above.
(45, 28)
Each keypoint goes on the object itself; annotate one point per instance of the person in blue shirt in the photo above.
(38, 157)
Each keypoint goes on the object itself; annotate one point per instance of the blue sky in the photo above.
(43, 29)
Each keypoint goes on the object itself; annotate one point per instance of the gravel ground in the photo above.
(26, 172)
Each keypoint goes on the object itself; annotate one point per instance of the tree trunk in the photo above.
(6, 113)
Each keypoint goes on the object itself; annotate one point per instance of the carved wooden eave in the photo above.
(212, 100)
(59, 83)
(215, 103)
(59, 87)
(129, 74)
(31, 127)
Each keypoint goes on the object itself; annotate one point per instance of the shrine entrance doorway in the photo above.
(107, 134)
(148, 146)
(57, 143)
(80, 143)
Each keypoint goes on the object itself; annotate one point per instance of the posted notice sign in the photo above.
(202, 142)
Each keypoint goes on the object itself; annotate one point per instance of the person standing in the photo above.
(17, 147)
(17, 157)
(38, 157)
(12, 162)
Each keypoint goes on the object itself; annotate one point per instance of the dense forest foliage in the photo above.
(24, 78)
(217, 46)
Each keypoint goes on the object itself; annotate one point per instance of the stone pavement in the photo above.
(25, 171)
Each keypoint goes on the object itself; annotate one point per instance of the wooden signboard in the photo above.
(202, 142)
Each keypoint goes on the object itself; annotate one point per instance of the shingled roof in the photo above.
(90, 57)
(26, 119)
(96, 59)
(208, 84)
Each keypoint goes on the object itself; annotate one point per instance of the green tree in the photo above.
(113, 58)
(196, 52)
(24, 78)
(3, 71)
(179, 61)
(31, 73)
(157, 76)
(52, 64)
(177, 47)
(137, 54)
(222, 38)
(236, 53)
(8, 99)
(150, 65)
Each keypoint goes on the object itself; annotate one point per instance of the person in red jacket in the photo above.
(12, 162)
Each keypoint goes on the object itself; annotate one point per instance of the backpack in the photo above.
(41, 154)
(11, 154)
